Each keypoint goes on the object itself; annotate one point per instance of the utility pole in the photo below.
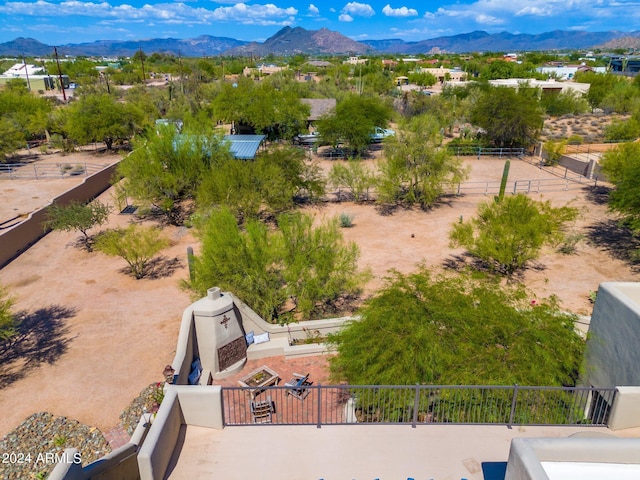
(26, 72)
(142, 64)
(64, 95)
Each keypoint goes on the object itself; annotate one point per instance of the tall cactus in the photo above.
(503, 182)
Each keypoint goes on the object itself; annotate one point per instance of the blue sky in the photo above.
(58, 22)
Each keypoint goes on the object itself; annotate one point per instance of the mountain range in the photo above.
(292, 41)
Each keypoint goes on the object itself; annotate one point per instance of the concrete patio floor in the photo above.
(350, 452)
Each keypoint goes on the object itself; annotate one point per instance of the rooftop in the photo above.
(436, 452)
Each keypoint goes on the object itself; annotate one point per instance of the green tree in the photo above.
(297, 271)
(271, 184)
(100, 118)
(11, 138)
(136, 244)
(353, 122)
(355, 176)
(510, 118)
(7, 318)
(452, 330)
(244, 262)
(622, 168)
(319, 268)
(600, 85)
(19, 114)
(168, 168)
(554, 151)
(624, 131)
(275, 113)
(417, 167)
(508, 234)
(424, 79)
(562, 103)
(78, 216)
(624, 97)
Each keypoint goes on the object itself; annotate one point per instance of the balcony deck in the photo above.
(275, 452)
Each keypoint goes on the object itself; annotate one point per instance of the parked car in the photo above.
(307, 139)
(380, 134)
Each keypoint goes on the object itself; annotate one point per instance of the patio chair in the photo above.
(261, 411)
(297, 386)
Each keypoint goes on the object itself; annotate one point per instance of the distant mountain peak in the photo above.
(292, 41)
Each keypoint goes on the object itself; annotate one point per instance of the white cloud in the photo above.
(313, 10)
(355, 9)
(345, 18)
(501, 11)
(167, 13)
(399, 12)
(535, 11)
(488, 20)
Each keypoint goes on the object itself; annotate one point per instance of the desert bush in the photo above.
(508, 234)
(7, 319)
(77, 216)
(346, 220)
(136, 244)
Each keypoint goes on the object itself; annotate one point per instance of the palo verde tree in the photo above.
(454, 330)
(353, 121)
(136, 244)
(508, 233)
(297, 271)
(101, 118)
(165, 169)
(21, 116)
(355, 176)
(275, 113)
(78, 216)
(271, 184)
(510, 118)
(622, 167)
(417, 167)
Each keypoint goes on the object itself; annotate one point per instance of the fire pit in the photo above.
(258, 379)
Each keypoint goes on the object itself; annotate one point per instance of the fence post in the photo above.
(319, 425)
(416, 406)
(35, 170)
(514, 401)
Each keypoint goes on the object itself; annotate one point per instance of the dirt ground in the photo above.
(99, 337)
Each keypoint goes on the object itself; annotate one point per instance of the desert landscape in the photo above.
(98, 336)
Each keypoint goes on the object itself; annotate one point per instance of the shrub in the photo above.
(77, 216)
(346, 220)
(137, 245)
(508, 234)
(7, 319)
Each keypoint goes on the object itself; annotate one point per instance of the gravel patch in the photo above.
(34, 448)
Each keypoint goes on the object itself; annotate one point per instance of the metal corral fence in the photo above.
(421, 404)
(560, 184)
(474, 150)
(524, 186)
(38, 170)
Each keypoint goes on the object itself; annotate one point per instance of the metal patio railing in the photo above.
(424, 404)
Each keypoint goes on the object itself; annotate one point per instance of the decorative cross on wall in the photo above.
(224, 321)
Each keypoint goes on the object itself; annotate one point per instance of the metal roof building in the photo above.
(244, 147)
